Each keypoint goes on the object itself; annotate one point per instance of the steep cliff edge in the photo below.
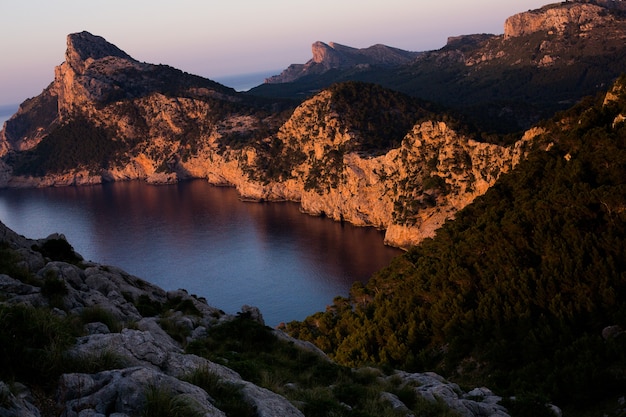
(355, 152)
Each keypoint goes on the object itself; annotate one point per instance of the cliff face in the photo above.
(107, 117)
(558, 18)
(333, 55)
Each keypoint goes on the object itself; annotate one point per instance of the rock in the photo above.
(556, 19)
(478, 402)
(17, 401)
(333, 55)
(397, 405)
(125, 391)
(253, 313)
(370, 190)
(611, 332)
(148, 357)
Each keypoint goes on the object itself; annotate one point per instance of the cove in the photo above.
(202, 238)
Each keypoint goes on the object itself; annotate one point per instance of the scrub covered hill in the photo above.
(525, 290)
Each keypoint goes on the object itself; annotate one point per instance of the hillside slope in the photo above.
(79, 338)
(525, 289)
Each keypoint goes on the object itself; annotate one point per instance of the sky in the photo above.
(216, 39)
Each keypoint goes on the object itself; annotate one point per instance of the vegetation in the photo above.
(163, 403)
(379, 117)
(73, 145)
(315, 385)
(516, 291)
(497, 95)
(227, 396)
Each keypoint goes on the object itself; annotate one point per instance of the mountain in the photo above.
(354, 152)
(336, 56)
(525, 288)
(546, 60)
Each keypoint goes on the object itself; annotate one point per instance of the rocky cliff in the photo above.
(135, 338)
(355, 153)
(559, 18)
(335, 56)
(546, 60)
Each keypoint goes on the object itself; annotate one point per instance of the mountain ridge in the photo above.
(335, 56)
(503, 83)
(117, 119)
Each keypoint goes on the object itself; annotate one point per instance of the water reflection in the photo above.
(202, 238)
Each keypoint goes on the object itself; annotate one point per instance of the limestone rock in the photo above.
(433, 387)
(334, 55)
(557, 19)
(124, 391)
(17, 401)
(409, 190)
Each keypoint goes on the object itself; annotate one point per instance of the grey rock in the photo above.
(96, 328)
(254, 313)
(397, 405)
(17, 401)
(267, 403)
(124, 391)
(478, 402)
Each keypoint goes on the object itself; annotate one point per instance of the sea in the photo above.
(204, 239)
(244, 82)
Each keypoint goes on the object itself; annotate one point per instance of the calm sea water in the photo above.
(202, 238)
(244, 82)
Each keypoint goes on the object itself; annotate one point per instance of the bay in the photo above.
(204, 239)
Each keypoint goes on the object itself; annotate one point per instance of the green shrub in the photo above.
(33, 342)
(91, 364)
(175, 329)
(163, 403)
(226, 396)
(147, 307)
(99, 315)
(10, 264)
(54, 289)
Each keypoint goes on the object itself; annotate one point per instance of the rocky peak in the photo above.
(327, 56)
(557, 18)
(82, 46)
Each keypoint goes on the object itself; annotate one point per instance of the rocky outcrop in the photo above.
(333, 55)
(108, 117)
(556, 19)
(146, 357)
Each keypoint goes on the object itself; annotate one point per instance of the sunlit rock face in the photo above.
(161, 125)
(583, 16)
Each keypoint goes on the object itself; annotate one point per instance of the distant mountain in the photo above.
(335, 56)
(546, 60)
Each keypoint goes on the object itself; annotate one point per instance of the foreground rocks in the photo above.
(146, 357)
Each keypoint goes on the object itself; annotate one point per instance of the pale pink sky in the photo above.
(219, 38)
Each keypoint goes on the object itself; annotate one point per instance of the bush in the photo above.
(58, 250)
(33, 342)
(99, 315)
(226, 396)
(163, 403)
